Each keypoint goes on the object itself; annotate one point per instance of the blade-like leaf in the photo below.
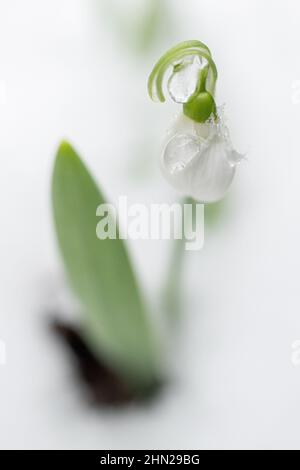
(100, 273)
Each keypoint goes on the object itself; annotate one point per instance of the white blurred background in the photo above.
(74, 69)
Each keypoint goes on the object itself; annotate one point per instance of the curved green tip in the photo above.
(175, 55)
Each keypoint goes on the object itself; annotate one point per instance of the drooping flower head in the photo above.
(198, 158)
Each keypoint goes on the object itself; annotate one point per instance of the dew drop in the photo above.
(179, 151)
(183, 82)
(234, 157)
(178, 166)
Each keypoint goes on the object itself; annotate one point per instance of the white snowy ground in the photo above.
(63, 73)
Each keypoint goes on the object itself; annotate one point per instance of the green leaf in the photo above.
(100, 273)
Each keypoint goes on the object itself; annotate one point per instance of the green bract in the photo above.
(201, 104)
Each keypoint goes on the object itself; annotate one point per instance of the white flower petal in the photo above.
(199, 160)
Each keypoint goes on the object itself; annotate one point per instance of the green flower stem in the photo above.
(203, 77)
(172, 293)
(201, 105)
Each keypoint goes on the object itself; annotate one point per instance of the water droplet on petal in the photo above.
(179, 151)
(234, 157)
(199, 160)
(197, 169)
(176, 160)
(178, 167)
(212, 173)
(183, 82)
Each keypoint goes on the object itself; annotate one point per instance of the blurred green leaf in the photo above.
(213, 212)
(151, 24)
(100, 273)
(140, 29)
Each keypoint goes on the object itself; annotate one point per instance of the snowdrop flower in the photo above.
(198, 158)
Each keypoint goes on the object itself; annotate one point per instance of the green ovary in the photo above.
(199, 108)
